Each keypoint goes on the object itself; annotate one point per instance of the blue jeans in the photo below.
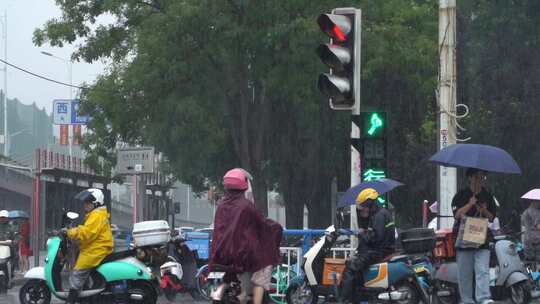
(473, 262)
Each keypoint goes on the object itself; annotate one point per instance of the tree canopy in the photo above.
(231, 83)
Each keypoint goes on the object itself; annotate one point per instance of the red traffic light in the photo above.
(342, 55)
(335, 26)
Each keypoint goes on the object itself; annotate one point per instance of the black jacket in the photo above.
(462, 198)
(381, 231)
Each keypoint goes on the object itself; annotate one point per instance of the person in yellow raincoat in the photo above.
(95, 239)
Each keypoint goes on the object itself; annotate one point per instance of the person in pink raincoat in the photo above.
(243, 239)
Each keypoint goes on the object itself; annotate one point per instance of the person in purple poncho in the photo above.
(243, 239)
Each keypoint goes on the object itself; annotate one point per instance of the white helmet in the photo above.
(4, 213)
(93, 195)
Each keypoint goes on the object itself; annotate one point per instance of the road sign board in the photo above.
(77, 119)
(136, 160)
(66, 112)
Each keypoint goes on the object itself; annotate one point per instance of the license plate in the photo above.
(216, 275)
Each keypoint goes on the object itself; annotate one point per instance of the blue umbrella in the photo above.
(483, 157)
(18, 214)
(381, 185)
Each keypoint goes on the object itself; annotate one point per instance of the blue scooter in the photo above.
(393, 281)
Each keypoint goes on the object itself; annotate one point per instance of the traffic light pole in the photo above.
(356, 171)
(342, 83)
(356, 164)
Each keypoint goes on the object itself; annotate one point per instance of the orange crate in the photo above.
(332, 271)
(444, 247)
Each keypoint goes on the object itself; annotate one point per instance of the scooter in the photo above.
(120, 278)
(178, 274)
(392, 281)
(6, 265)
(508, 276)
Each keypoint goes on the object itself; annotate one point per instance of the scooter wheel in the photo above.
(520, 293)
(452, 298)
(300, 293)
(35, 292)
(146, 289)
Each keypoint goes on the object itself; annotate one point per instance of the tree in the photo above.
(197, 79)
(499, 81)
(218, 84)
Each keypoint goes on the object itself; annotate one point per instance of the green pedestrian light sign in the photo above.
(372, 124)
(375, 123)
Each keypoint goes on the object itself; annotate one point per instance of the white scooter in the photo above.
(5, 265)
(508, 276)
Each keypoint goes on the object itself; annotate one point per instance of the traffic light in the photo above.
(342, 56)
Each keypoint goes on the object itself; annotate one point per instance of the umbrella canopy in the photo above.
(18, 214)
(534, 195)
(381, 186)
(483, 157)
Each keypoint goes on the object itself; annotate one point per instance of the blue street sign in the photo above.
(76, 119)
(66, 112)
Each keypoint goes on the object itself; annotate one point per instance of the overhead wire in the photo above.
(41, 76)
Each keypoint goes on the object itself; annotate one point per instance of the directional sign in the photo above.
(135, 160)
(66, 112)
(77, 119)
(61, 112)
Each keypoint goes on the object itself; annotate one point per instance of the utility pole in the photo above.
(447, 105)
(4, 96)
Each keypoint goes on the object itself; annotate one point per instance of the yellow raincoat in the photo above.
(95, 238)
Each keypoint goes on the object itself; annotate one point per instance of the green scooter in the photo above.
(121, 278)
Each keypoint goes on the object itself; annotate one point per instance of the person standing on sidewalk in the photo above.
(24, 246)
(530, 220)
(473, 263)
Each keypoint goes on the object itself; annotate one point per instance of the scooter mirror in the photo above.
(72, 215)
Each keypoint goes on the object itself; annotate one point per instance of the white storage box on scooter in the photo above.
(151, 233)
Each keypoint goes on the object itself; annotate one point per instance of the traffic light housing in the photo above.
(342, 55)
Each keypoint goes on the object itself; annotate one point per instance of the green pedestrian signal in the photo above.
(372, 124)
(375, 123)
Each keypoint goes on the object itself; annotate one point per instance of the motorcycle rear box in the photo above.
(151, 233)
(418, 240)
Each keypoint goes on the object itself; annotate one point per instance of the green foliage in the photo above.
(217, 84)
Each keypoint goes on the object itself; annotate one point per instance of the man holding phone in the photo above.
(474, 201)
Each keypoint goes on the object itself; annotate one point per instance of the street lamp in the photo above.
(69, 64)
